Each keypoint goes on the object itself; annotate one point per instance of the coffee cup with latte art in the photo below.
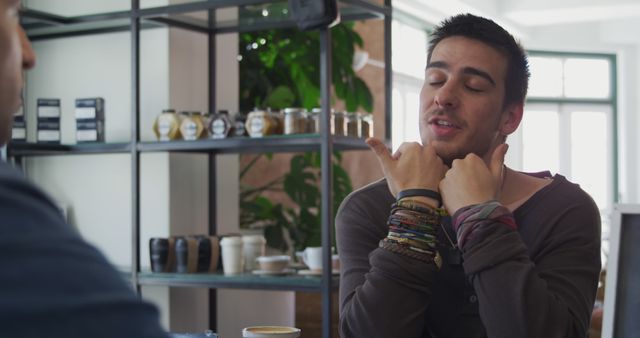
(270, 332)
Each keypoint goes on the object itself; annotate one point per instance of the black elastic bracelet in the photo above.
(421, 192)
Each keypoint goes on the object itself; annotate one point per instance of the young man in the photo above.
(520, 255)
(52, 283)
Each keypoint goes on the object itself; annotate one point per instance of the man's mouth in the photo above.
(444, 123)
(441, 122)
(442, 127)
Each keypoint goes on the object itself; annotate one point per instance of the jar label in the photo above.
(218, 127)
(189, 130)
(164, 127)
(257, 126)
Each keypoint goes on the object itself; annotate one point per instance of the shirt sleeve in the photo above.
(382, 294)
(549, 293)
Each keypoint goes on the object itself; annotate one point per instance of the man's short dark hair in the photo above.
(492, 34)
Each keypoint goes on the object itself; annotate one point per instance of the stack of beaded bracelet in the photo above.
(413, 230)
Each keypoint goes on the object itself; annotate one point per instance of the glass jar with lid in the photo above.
(240, 121)
(366, 125)
(167, 125)
(260, 123)
(295, 121)
(221, 125)
(352, 123)
(207, 118)
(313, 121)
(278, 120)
(338, 123)
(192, 126)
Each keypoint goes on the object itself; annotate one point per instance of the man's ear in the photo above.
(511, 117)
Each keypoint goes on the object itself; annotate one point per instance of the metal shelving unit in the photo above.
(245, 281)
(278, 144)
(20, 149)
(199, 16)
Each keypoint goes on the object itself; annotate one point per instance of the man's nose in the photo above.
(28, 55)
(447, 96)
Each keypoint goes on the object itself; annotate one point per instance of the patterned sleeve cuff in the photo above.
(470, 218)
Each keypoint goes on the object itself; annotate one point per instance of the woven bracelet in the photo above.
(395, 248)
(427, 258)
(420, 192)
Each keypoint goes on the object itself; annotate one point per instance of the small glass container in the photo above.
(313, 121)
(338, 123)
(221, 125)
(167, 125)
(206, 120)
(366, 125)
(352, 124)
(240, 121)
(295, 121)
(278, 121)
(260, 123)
(192, 126)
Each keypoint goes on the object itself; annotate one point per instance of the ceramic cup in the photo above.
(270, 332)
(273, 263)
(312, 257)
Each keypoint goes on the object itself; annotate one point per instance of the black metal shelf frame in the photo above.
(236, 145)
(19, 149)
(40, 25)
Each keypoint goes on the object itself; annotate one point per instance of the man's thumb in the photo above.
(380, 149)
(497, 161)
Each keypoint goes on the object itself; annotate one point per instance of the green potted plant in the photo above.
(278, 69)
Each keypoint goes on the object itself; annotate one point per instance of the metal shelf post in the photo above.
(326, 170)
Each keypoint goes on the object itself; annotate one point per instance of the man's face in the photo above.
(461, 101)
(16, 55)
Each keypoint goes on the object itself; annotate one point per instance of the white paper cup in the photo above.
(232, 260)
(270, 332)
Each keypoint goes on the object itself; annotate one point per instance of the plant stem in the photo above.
(249, 165)
(268, 186)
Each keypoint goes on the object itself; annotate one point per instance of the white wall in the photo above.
(97, 187)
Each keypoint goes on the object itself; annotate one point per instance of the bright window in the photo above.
(590, 155)
(570, 77)
(568, 123)
(540, 139)
(587, 78)
(546, 77)
(409, 58)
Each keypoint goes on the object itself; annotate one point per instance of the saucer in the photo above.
(273, 273)
(298, 266)
(308, 272)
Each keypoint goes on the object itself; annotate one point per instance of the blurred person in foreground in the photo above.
(452, 243)
(52, 283)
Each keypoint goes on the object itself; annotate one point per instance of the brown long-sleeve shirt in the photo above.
(538, 281)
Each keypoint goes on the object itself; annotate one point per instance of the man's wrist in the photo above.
(427, 201)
